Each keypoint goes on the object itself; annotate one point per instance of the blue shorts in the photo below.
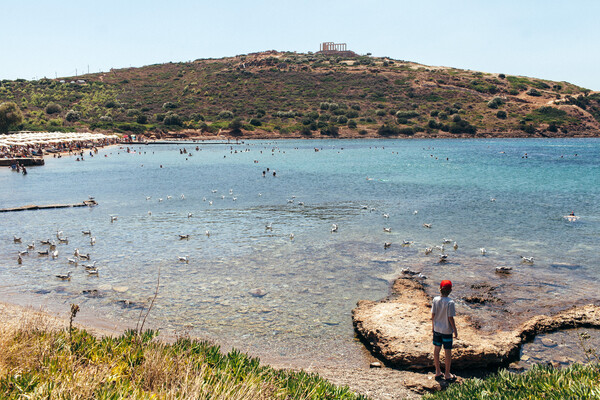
(440, 339)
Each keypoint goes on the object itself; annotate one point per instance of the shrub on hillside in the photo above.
(352, 124)
(352, 114)
(388, 130)
(380, 113)
(73, 116)
(533, 92)
(407, 114)
(330, 130)
(501, 114)
(495, 102)
(255, 122)
(169, 105)
(225, 115)
(236, 126)
(172, 119)
(106, 118)
(305, 130)
(53, 108)
(141, 119)
(342, 119)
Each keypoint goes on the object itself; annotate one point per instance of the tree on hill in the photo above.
(236, 126)
(10, 115)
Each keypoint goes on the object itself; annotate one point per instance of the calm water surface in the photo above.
(508, 196)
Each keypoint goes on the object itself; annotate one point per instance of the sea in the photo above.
(285, 237)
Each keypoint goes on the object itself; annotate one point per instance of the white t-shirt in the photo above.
(442, 308)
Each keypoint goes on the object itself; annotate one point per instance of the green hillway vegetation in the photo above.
(312, 95)
(40, 363)
(541, 382)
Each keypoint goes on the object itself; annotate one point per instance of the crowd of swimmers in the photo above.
(38, 150)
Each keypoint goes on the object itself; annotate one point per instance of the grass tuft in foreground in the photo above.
(541, 382)
(51, 364)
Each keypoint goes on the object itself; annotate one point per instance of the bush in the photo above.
(362, 132)
(106, 118)
(352, 124)
(434, 113)
(111, 104)
(462, 126)
(552, 127)
(352, 114)
(433, 124)
(255, 122)
(171, 118)
(53, 108)
(501, 114)
(169, 105)
(380, 113)
(330, 130)
(342, 119)
(528, 129)
(73, 116)
(225, 115)
(355, 107)
(236, 126)
(141, 119)
(305, 130)
(160, 117)
(533, 92)
(197, 117)
(495, 102)
(324, 106)
(388, 130)
(456, 118)
(407, 114)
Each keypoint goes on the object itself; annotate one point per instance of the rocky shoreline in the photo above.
(398, 330)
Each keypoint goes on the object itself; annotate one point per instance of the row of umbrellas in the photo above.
(33, 138)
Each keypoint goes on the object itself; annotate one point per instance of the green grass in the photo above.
(574, 382)
(549, 115)
(49, 364)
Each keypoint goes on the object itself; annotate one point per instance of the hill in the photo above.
(283, 94)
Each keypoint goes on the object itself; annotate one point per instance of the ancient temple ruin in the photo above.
(339, 49)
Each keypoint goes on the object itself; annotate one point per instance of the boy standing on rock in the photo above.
(442, 322)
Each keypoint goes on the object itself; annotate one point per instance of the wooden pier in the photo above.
(86, 203)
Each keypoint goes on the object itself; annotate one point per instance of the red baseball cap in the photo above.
(446, 284)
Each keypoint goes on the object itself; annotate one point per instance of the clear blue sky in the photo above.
(550, 39)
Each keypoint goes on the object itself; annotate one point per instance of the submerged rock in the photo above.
(398, 329)
(257, 293)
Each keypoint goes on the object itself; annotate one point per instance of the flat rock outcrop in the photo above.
(398, 330)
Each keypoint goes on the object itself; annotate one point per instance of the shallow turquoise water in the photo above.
(313, 281)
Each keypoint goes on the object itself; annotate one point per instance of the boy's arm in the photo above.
(451, 320)
(432, 317)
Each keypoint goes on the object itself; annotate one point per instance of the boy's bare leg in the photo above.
(447, 362)
(436, 360)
